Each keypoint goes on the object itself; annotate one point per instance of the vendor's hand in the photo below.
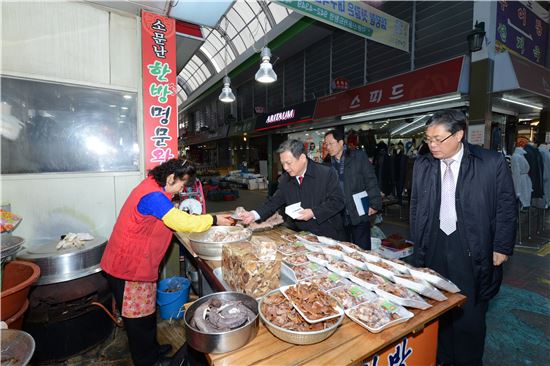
(372, 211)
(224, 220)
(499, 258)
(247, 217)
(305, 215)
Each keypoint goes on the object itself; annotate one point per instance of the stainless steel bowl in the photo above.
(211, 250)
(224, 341)
(295, 337)
(17, 347)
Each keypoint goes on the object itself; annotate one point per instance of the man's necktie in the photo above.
(447, 211)
(300, 179)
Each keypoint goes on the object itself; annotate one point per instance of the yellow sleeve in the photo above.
(181, 221)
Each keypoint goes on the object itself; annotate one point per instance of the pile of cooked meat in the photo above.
(217, 316)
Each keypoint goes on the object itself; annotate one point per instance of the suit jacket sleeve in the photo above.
(371, 183)
(506, 210)
(274, 202)
(334, 200)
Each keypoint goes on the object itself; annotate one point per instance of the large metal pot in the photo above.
(66, 264)
(225, 341)
(208, 249)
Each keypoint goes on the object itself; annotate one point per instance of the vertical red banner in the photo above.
(160, 115)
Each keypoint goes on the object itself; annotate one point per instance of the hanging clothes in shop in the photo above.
(520, 176)
(545, 153)
(382, 168)
(399, 170)
(536, 169)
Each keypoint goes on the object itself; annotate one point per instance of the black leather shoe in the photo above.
(165, 349)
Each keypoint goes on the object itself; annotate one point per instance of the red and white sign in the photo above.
(160, 115)
(430, 81)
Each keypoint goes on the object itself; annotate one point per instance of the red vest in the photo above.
(138, 242)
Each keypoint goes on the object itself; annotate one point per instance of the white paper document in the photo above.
(361, 202)
(294, 210)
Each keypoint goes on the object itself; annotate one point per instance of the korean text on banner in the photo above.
(158, 45)
(358, 18)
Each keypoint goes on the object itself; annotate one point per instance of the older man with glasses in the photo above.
(463, 224)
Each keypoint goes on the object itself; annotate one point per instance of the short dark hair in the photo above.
(178, 167)
(296, 148)
(337, 134)
(453, 120)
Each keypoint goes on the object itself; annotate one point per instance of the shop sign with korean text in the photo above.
(430, 81)
(160, 117)
(298, 113)
(356, 17)
(522, 27)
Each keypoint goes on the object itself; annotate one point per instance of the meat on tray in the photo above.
(295, 259)
(373, 314)
(357, 256)
(350, 245)
(291, 248)
(349, 295)
(369, 277)
(311, 238)
(327, 282)
(289, 237)
(400, 291)
(278, 310)
(221, 237)
(341, 266)
(311, 301)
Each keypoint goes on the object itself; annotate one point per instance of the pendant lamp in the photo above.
(226, 95)
(266, 74)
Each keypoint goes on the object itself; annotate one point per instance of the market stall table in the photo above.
(414, 340)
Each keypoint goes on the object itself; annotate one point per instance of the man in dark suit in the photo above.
(314, 185)
(356, 175)
(463, 225)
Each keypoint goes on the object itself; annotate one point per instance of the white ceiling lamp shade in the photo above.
(266, 74)
(521, 102)
(226, 96)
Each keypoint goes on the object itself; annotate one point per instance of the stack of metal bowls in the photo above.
(296, 337)
(205, 248)
(224, 341)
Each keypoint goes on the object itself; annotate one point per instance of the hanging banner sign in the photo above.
(430, 81)
(358, 18)
(160, 115)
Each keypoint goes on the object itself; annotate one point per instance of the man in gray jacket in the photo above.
(356, 176)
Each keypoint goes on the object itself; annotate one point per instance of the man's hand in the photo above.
(305, 215)
(499, 258)
(224, 220)
(372, 211)
(247, 217)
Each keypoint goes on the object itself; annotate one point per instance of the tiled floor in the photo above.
(518, 321)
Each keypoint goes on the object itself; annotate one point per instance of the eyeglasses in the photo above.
(438, 142)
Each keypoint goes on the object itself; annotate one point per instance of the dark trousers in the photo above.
(359, 234)
(461, 337)
(141, 332)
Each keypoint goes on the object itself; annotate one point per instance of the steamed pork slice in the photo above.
(295, 259)
(340, 266)
(357, 256)
(318, 257)
(311, 301)
(349, 245)
(373, 315)
(369, 277)
(278, 310)
(308, 270)
(289, 237)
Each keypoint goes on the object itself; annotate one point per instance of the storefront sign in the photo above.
(356, 17)
(293, 114)
(340, 84)
(522, 26)
(435, 80)
(160, 115)
(419, 349)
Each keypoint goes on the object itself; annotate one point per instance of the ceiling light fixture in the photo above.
(521, 102)
(404, 106)
(226, 96)
(408, 125)
(265, 74)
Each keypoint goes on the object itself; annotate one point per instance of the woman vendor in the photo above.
(138, 243)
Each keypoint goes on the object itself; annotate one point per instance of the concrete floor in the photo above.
(518, 321)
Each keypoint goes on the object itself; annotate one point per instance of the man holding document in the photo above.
(359, 185)
(309, 192)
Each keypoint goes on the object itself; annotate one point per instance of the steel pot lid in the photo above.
(65, 264)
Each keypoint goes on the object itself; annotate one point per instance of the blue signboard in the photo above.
(522, 27)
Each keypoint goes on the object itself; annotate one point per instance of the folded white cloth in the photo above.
(72, 240)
